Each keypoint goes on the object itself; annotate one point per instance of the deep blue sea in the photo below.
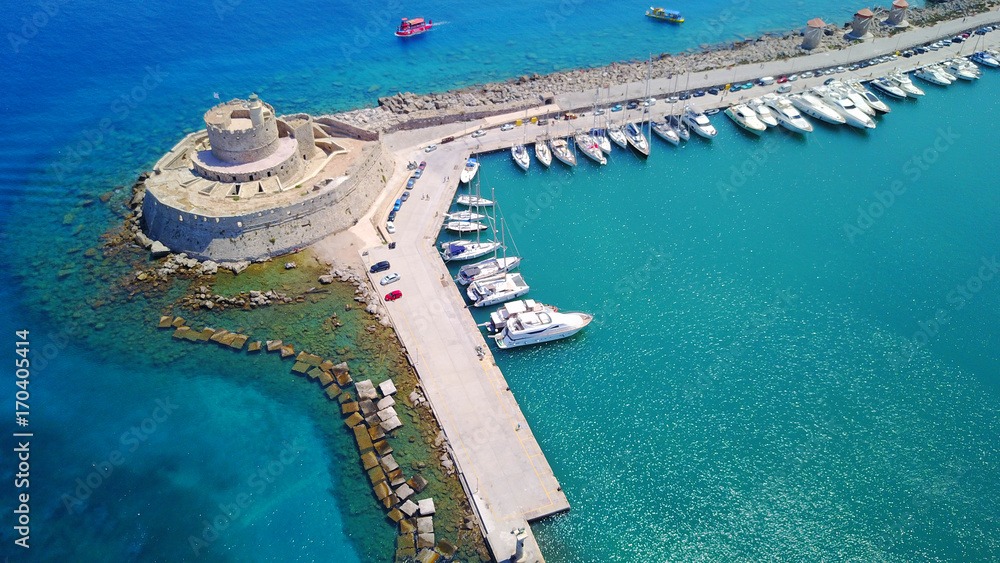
(787, 364)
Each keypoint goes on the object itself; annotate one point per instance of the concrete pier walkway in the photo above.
(500, 463)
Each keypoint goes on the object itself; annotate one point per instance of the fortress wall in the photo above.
(243, 145)
(260, 235)
(347, 130)
(289, 168)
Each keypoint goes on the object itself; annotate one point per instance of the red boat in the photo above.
(412, 27)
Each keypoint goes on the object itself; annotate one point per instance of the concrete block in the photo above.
(387, 388)
(426, 506)
(425, 525)
(366, 390)
(384, 403)
(408, 508)
(386, 414)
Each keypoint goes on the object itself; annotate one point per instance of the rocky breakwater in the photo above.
(363, 294)
(407, 110)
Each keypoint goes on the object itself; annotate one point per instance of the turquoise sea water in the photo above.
(744, 394)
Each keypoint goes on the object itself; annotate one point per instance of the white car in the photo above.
(649, 102)
(600, 111)
(793, 78)
(431, 148)
(393, 277)
(390, 227)
(506, 126)
(478, 133)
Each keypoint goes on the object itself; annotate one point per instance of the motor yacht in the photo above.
(467, 249)
(787, 115)
(487, 268)
(498, 319)
(859, 101)
(589, 147)
(560, 149)
(496, 289)
(469, 172)
(812, 106)
(903, 82)
(742, 115)
(764, 113)
(933, 74)
(962, 69)
(534, 327)
(543, 154)
(520, 155)
(986, 59)
(698, 121)
(889, 87)
(664, 132)
(843, 105)
(870, 98)
(636, 138)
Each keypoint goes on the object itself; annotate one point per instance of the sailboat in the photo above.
(588, 145)
(520, 155)
(616, 132)
(543, 154)
(560, 149)
(468, 249)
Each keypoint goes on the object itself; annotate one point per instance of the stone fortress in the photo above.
(253, 185)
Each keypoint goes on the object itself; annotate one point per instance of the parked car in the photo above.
(418, 173)
(793, 77)
(782, 80)
(600, 111)
(957, 39)
(649, 102)
(784, 88)
(713, 91)
(423, 164)
(379, 266)
(632, 105)
(506, 126)
(394, 295)
(617, 107)
(431, 148)
(393, 277)
(478, 133)
(685, 96)
(410, 182)
(392, 215)
(766, 81)
(699, 93)
(390, 227)
(829, 80)
(405, 196)
(397, 205)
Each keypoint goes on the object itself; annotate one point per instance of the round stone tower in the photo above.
(242, 131)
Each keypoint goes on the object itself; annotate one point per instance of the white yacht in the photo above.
(962, 68)
(487, 268)
(636, 138)
(464, 216)
(473, 201)
(618, 136)
(664, 132)
(814, 107)
(467, 249)
(496, 289)
(986, 58)
(589, 147)
(677, 124)
(560, 149)
(520, 155)
(601, 137)
(469, 172)
(764, 113)
(742, 115)
(498, 319)
(844, 106)
(534, 327)
(870, 98)
(889, 87)
(787, 115)
(543, 154)
(465, 226)
(859, 101)
(933, 74)
(903, 82)
(698, 121)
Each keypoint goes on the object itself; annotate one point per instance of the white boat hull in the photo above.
(817, 109)
(520, 155)
(473, 201)
(637, 139)
(560, 150)
(588, 146)
(468, 173)
(505, 340)
(543, 154)
(465, 226)
(664, 132)
(487, 268)
(618, 137)
(470, 250)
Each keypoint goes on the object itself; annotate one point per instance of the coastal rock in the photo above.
(371, 309)
(326, 279)
(142, 240)
(235, 267)
(158, 250)
(209, 268)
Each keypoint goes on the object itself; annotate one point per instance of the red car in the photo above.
(782, 80)
(423, 164)
(393, 295)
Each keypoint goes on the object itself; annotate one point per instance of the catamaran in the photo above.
(469, 172)
(560, 149)
(487, 268)
(497, 289)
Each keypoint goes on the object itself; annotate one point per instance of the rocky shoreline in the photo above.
(407, 110)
